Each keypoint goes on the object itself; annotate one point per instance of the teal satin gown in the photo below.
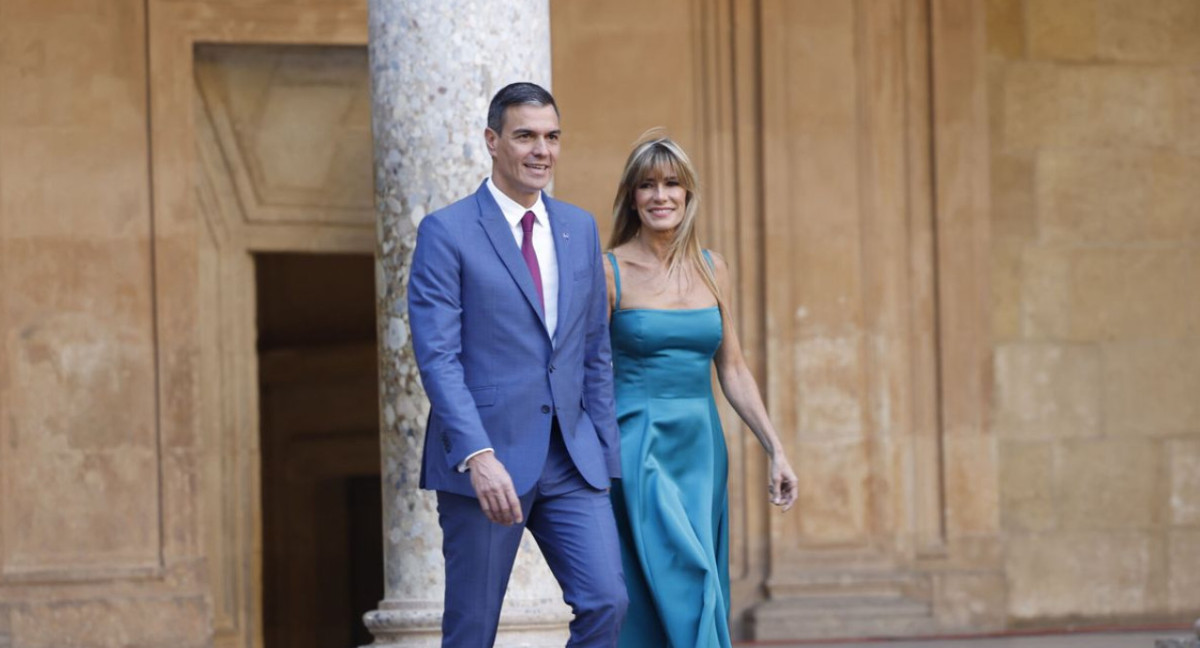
(671, 504)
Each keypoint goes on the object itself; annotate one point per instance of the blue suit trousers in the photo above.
(573, 525)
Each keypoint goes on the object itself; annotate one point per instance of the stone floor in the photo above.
(1073, 640)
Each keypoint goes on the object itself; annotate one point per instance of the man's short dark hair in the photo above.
(517, 94)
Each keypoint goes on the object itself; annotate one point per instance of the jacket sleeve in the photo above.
(598, 371)
(435, 316)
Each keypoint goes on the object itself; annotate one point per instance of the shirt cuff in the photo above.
(463, 467)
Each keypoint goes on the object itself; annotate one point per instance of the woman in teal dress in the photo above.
(670, 304)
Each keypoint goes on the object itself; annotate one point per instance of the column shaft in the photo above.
(435, 65)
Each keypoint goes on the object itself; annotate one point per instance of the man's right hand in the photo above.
(494, 489)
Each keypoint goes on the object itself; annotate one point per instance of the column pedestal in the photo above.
(1184, 642)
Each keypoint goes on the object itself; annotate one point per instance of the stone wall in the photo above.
(131, 203)
(98, 532)
(1095, 112)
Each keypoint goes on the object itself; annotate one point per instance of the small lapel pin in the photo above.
(566, 235)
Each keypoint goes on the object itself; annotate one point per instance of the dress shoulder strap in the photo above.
(612, 258)
(708, 257)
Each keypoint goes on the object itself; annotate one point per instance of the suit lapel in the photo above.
(497, 229)
(562, 249)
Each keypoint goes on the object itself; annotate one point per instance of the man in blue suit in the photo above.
(507, 303)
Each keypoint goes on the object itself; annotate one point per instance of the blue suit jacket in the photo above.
(493, 375)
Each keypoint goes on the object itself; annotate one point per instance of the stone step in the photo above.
(812, 617)
(842, 583)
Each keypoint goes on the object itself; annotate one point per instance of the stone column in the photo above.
(435, 65)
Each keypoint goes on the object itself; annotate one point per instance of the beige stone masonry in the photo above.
(1005, 28)
(1108, 484)
(1134, 292)
(1184, 465)
(1117, 196)
(1183, 579)
(1047, 105)
(1082, 573)
(1027, 501)
(1047, 390)
(1097, 320)
(1150, 388)
(111, 623)
(1117, 30)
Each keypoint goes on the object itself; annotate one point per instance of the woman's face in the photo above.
(660, 200)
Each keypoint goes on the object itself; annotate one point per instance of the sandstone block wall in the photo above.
(127, 499)
(1096, 309)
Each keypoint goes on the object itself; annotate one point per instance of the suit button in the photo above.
(545, 409)
(551, 368)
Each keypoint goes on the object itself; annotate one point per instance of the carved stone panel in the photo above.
(294, 126)
(79, 446)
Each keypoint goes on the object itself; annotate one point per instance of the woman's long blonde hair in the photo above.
(656, 152)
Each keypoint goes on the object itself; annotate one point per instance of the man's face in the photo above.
(523, 155)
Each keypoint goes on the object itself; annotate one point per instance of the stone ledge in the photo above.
(816, 617)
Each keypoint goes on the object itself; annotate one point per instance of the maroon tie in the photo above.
(531, 256)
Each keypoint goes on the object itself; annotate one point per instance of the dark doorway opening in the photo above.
(322, 537)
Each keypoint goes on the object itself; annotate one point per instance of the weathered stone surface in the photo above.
(112, 623)
(1185, 85)
(1184, 466)
(841, 617)
(1104, 283)
(1083, 573)
(1006, 290)
(972, 499)
(833, 491)
(1049, 105)
(1047, 390)
(1006, 28)
(434, 68)
(1045, 293)
(1027, 471)
(1062, 29)
(80, 347)
(80, 426)
(832, 407)
(1099, 451)
(1117, 196)
(1149, 31)
(1013, 208)
(1114, 30)
(997, 73)
(1183, 570)
(969, 600)
(294, 127)
(1108, 484)
(1150, 387)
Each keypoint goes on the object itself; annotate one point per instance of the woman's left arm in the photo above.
(740, 388)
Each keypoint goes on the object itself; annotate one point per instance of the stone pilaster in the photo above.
(435, 65)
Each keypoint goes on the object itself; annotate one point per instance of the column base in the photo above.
(1186, 642)
(540, 623)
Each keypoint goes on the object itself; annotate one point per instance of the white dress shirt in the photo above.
(543, 246)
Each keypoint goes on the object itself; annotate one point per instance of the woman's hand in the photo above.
(783, 486)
